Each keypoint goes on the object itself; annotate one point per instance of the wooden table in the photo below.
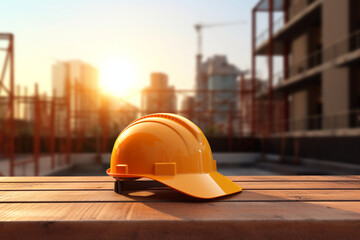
(270, 207)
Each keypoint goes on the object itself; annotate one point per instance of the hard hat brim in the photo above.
(199, 185)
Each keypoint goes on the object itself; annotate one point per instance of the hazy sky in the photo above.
(151, 35)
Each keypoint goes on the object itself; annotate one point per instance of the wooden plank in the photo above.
(275, 208)
(233, 178)
(175, 196)
(57, 179)
(296, 178)
(300, 185)
(110, 185)
(349, 206)
(194, 211)
(35, 186)
(184, 230)
(205, 211)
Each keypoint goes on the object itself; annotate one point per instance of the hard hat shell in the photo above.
(172, 150)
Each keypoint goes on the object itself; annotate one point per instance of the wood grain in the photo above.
(56, 179)
(34, 186)
(233, 178)
(205, 211)
(182, 230)
(175, 196)
(295, 178)
(270, 207)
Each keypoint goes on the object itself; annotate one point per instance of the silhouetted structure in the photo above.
(187, 107)
(319, 85)
(216, 91)
(319, 42)
(81, 81)
(159, 96)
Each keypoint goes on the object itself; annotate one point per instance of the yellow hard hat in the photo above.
(172, 150)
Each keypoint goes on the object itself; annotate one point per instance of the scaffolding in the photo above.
(7, 131)
(269, 6)
(274, 111)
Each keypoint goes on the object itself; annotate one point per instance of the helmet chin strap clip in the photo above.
(134, 185)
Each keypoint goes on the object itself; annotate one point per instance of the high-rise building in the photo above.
(216, 87)
(80, 80)
(319, 41)
(159, 96)
(222, 86)
(188, 107)
(244, 105)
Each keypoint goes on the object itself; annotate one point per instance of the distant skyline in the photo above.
(153, 36)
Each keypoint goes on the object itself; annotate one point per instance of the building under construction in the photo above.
(216, 92)
(83, 87)
(319, 83)
(310, 109)
(159, 96)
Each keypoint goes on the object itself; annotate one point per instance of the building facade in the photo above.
(320, 45)
(159, 96)
(319, 42)
(188, 107)
(80, 80)
(216, 93)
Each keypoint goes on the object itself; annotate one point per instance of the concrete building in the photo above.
(84, 92)
(319, 41)
(201, 92)
(245, 102)
(216, 91)
(321, 76)
(188, 107)
(159, 96)
(222, 86)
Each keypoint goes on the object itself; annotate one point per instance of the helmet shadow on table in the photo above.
(249, 204)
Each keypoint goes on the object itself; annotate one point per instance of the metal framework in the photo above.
(38, 117)
(7, 131)
(269, 6)
(281, 122)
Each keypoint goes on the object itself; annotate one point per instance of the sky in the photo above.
(151, 36)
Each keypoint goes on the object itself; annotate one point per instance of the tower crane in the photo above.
(200, 26)
(201, 81)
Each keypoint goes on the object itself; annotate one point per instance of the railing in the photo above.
(280, 22)
(346, 45)
(278, 78)
(342, 120)
(349, 44)
(312, 60)
(263, 36)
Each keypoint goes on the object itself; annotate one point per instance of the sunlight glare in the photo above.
(117, 77)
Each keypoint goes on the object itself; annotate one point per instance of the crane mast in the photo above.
(200, 78)
(200, 26)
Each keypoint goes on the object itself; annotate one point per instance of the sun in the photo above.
(117, 77)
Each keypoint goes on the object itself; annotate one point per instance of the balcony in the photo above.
(301, 17)
(339, 124)
(339, 54)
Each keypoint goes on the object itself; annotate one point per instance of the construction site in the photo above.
(304, 119)
(180, 119)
